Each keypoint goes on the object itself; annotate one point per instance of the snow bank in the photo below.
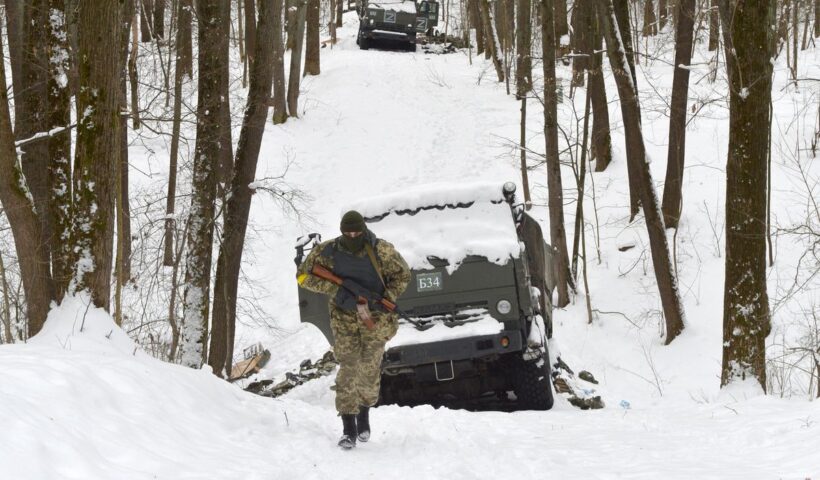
(448, 221)
(76, 324)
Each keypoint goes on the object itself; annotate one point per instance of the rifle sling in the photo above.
(375, 263)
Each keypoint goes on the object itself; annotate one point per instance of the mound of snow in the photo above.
(76, 324)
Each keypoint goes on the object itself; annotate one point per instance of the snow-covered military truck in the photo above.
(394, 20)
(478, 299)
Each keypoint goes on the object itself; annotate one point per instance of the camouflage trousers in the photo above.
(359, 352)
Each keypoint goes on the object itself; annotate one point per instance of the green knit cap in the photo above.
(352, 221)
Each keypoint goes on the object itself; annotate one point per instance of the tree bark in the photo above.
(59, 146)
(817, 34)
(523, 60)
(621, 13)
(558, 235)
(673, 188)
(636, 155)
(95, 162)
(477, 23)
(492, 45)
(132, 77)
(601, 140)
(14, 23)
(159, 19)
(239, 201)
(124, 207)
(250, 31)
(714, 25)
(663, 13)
(170, 201)
(4, 284)
(747, 30)
(650, 21)
(146, 18)
(207, 160)
(280, 109)
(583, 24)
(561, 25)
(184, 38)
(312, 42)
(32, 109)
(225, 134)
(296, 58)
(19, 209)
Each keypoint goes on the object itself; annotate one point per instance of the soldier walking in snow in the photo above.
(367, 262)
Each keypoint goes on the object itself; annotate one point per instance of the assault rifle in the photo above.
(360, 292)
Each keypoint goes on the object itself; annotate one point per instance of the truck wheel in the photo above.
(411, 47)
(533, 386)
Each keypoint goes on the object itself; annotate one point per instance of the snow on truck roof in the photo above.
(408, 6)
(447, 221)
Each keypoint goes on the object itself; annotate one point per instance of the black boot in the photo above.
(348, 439)
(363, 424)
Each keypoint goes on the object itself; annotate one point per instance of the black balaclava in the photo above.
(353, 221)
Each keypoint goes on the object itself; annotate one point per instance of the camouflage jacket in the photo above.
(394, 269)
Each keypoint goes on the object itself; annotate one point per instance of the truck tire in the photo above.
(533, 386)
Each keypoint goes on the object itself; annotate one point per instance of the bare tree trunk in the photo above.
(478, 23)
(59, 146)
(159, 19)
(184, 38)
(817, 34)
(170, 201)
(123, 207)
(32, 109)
(15, 23)
(795, 37)
(19, 209)
(601, 140)
(280, 111)
(558, 235)
(225, 135)
(339, 12)
(746, 316)
(561, 25)
(146, 18)
(523, 64)
(580, 183)
(673, 188)
(621, 12)
(296, 59)
(650, 22)
(98, 138)
(6, 303)
(250, 31)
(714, 25)
(663, 13)
(583, 26)
(661, 260)
(312, 42)
(132, 77)
(331, 25)
(239, 201)
(207, 160)
(492, 45)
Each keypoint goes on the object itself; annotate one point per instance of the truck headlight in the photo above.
(503, 306)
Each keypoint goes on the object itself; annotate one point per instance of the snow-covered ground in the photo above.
(81, 402)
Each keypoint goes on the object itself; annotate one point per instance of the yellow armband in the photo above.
(301, 278)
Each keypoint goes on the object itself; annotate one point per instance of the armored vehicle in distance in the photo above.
(395, 20)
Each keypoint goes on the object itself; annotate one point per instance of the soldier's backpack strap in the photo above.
(372, 255)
